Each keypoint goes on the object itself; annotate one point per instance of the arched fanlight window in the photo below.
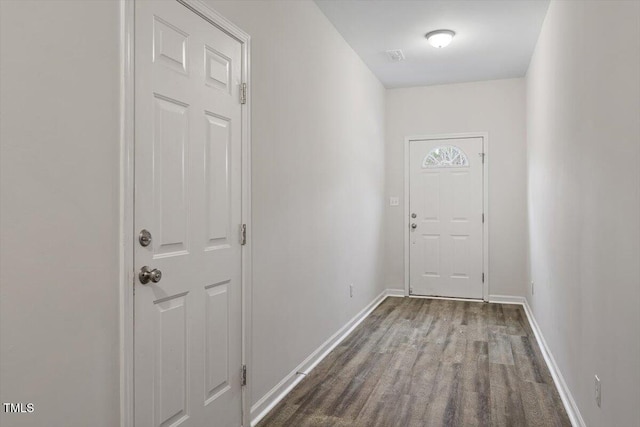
(446, 156)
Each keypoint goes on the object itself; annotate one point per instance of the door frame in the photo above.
(126, 226)
(485, 201)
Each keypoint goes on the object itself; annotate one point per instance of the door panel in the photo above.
(187, 333)
(430, 197)
(430, 255)
(170, 142)
(217, 181)
(217, 372)
(171, 363)
(445, 194)
(218, 69)
(461, 196)
(460, 257)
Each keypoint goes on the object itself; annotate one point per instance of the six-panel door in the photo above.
(187, 334)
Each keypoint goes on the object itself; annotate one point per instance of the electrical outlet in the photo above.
(351, 290)
(394, 201)
(598, 391)
(532, 288)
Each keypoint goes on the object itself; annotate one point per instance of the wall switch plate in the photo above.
(351, 290)
(394, 201)
(598, 391)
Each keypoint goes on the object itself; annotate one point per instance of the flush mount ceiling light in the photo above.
(440, 38)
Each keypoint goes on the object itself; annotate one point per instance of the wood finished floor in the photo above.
(424, 362)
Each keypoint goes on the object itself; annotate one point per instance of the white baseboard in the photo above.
(565, 394)
(277, 393)
(395, 292)
(507, 299)
(563, 390)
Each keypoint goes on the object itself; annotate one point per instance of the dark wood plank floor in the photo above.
(424, 362)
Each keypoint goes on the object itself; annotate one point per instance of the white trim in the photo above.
(485, 211)
(127, 232)
(565, 394)
(127, 108)
(395, 292)
(219, 21)
(485, 201)
(247, 251)
(507, 299)
(405, 217)
(446, 298)
(563, 390)
(277, 393)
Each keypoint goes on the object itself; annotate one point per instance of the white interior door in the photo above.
(445, 208)
(187, 333)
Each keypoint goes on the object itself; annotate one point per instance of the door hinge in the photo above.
(410, 291)
(482, 277)
(483, 218)
(243, 375)
(482, 155)
(243, 234)
(243, 93)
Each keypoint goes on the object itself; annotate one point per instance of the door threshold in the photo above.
(447, 298)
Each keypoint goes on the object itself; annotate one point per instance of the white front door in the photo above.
(445, 224)
(187, 333)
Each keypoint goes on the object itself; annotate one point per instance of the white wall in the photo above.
(318, 182)
(59, 212)
(496, 107)
(583, 131)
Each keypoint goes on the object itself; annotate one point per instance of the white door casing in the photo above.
(446, 196)
(188, 192)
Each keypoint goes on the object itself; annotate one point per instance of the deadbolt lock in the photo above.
(147, 274)
(144, 238)
(413, 215)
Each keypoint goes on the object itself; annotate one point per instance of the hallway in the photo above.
(428, 362)
(219, 212)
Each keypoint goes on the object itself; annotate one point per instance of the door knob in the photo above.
(147, 274)
(414, 225)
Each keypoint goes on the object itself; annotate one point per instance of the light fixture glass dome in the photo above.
(440, 38)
